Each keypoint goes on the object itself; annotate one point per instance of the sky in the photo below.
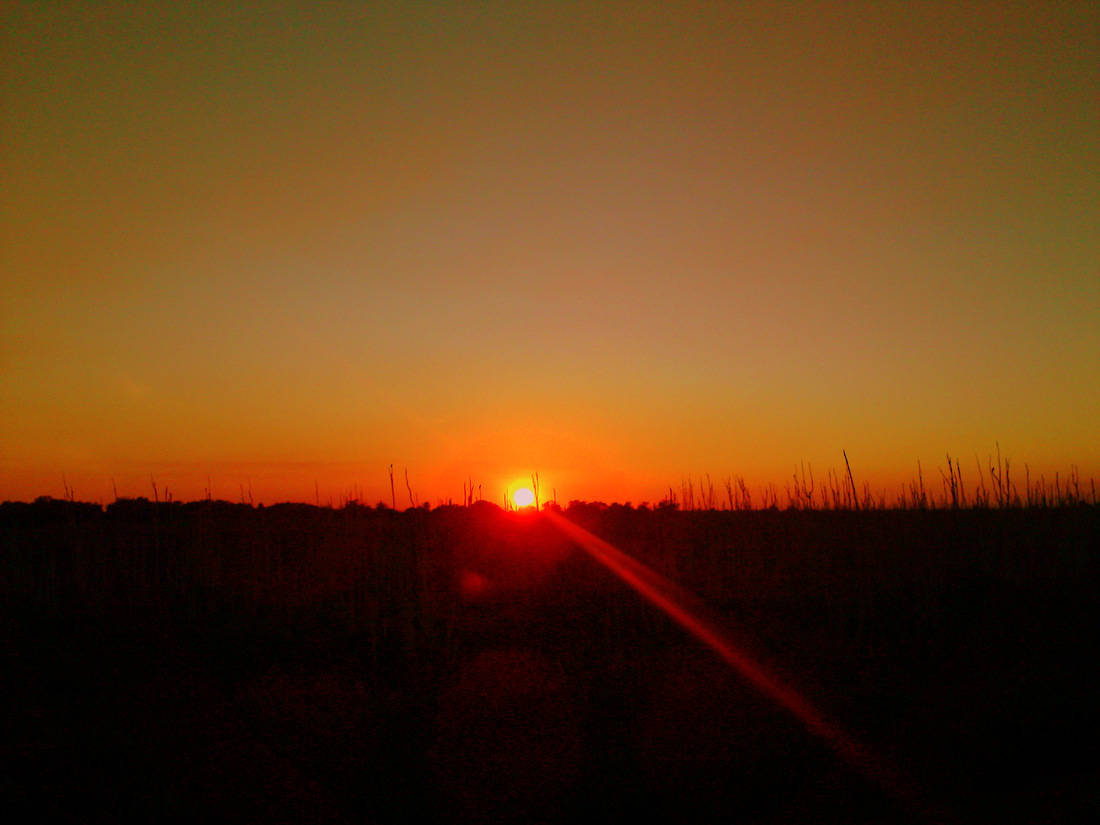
(280, 247)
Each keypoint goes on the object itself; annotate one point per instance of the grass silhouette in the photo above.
(466, 664)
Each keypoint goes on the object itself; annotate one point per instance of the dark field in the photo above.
(302, 664)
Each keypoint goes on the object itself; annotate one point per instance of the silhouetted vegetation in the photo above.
(296, 662)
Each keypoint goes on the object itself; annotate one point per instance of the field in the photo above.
(465, 664)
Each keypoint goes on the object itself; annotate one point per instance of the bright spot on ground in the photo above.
(523, 497)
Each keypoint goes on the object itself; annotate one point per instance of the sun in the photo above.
(523, 497)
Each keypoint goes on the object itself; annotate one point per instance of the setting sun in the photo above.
(523, 497)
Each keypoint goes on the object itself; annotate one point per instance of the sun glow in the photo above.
(523, 497)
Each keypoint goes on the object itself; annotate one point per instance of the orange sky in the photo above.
(290, 245)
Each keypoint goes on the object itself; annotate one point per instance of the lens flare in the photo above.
(692, 615)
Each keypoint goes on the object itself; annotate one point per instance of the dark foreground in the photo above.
(295, 664)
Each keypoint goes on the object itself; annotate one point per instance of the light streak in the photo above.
(690, 613)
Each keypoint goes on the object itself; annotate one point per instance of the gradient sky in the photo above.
(289, 244)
